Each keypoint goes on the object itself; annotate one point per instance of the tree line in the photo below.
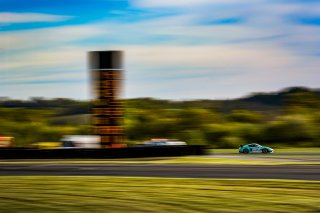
(290, 117)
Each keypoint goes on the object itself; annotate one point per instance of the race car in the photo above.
(254, 148)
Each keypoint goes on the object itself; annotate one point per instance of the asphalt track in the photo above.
(296, 172)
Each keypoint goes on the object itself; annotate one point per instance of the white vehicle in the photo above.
(164, 142)
(81, 141)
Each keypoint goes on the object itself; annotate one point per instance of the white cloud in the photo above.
(197, 61)
(183, 3)
(47, 37)
(10, 18)
(210, 71)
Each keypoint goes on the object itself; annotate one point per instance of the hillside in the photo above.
(261, 102)
(259, 117)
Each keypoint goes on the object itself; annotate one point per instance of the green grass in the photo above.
(238, 160)
(129, 194)
(299, 150)
(277, 150)
(225, 156)
(246, 160)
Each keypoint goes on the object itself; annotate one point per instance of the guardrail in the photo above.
(128, 152)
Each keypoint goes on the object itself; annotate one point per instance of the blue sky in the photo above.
(181, 49)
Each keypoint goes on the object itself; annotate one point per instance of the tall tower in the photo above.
(107, 112)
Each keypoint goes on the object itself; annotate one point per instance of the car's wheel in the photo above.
(245, 151)
(265, 151)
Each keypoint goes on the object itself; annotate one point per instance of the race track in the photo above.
(297, 172)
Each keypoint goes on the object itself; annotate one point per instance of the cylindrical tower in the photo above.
(107, 112)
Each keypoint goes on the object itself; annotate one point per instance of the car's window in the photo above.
(252, 145)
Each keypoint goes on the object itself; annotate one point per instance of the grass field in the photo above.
(168, 160)
(292, 156)
(128, 194)
(277, 150)
(236, 160)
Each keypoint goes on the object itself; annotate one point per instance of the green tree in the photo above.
(302, 102)
(289, 130)
(245, 116)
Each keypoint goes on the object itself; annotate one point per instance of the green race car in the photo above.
(254, 148)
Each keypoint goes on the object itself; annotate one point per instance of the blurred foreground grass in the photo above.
(131, 194)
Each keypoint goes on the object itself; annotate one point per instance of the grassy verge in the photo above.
(244, 160)
(292, 156)
(241, 160)
(301, 150)
(126, 194)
